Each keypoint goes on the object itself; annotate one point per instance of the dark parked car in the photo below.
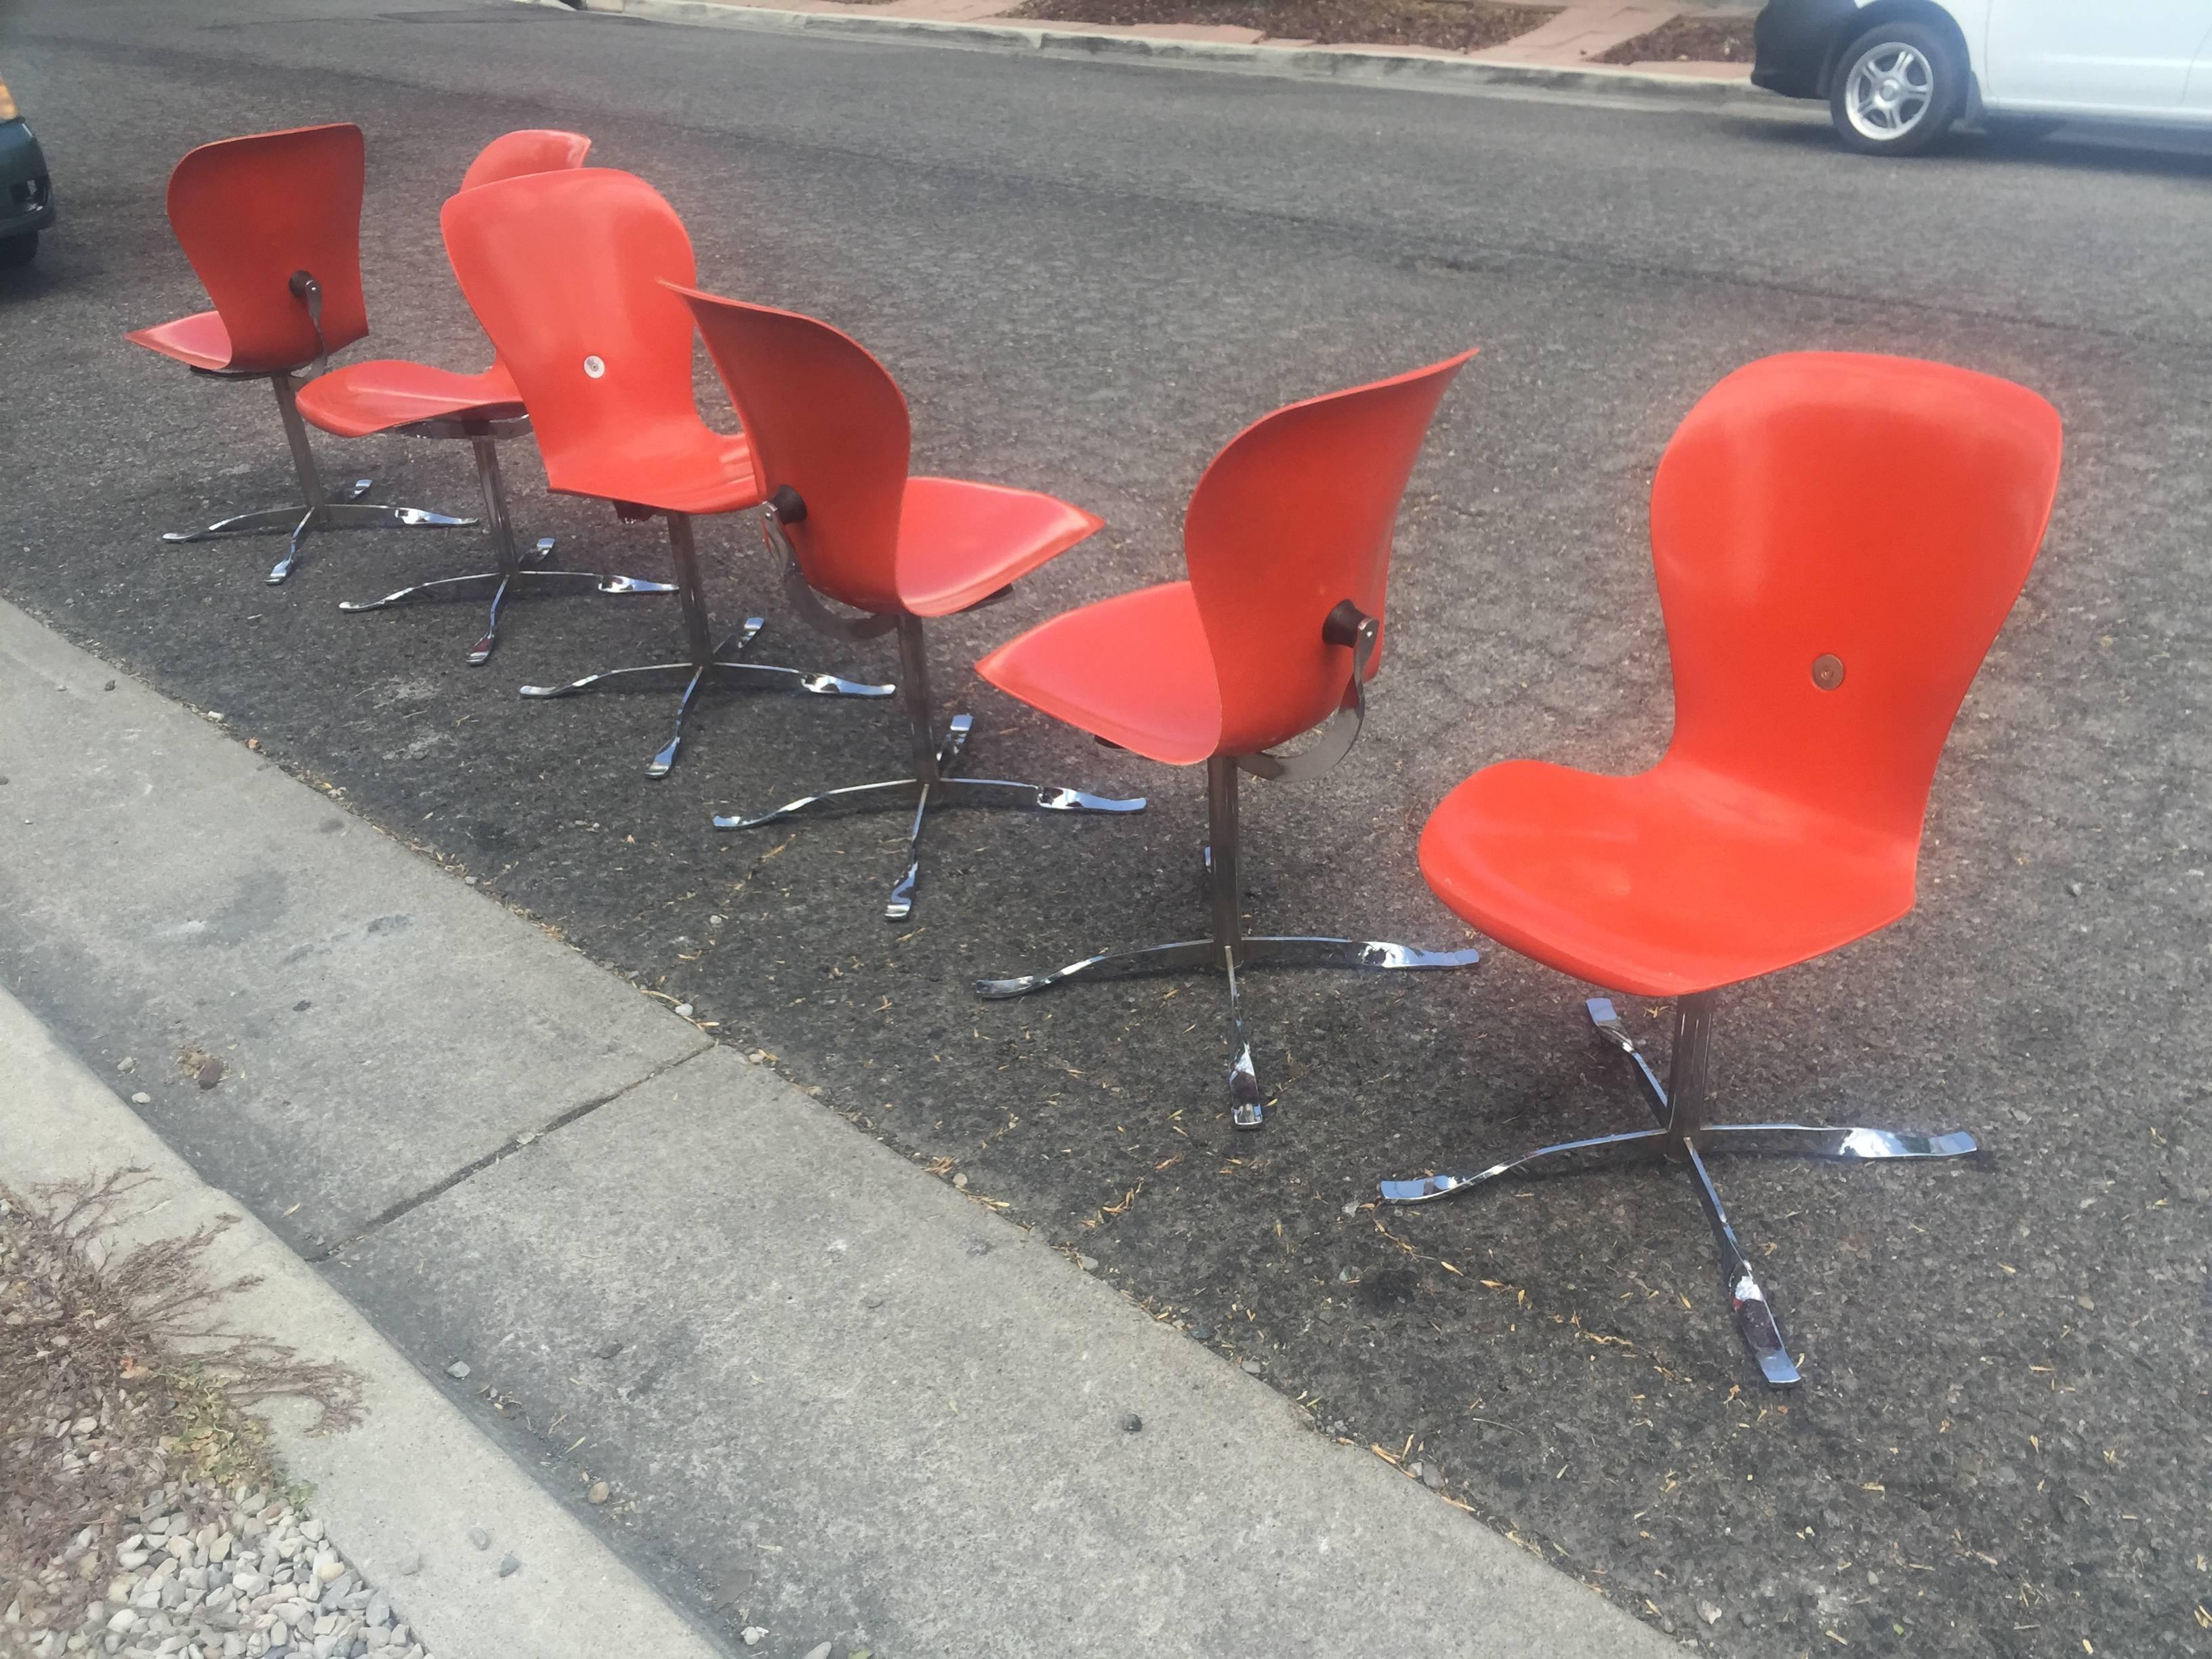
(26, 194)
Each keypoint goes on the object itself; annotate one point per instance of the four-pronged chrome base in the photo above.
(721, 669)
(707, 665)
(516, 573)
(1685, 1137)
(937, 789)
(529, 577)
(343, 510)
(1231, 950)
(318, 509)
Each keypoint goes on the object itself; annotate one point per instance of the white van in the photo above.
(1897, 73)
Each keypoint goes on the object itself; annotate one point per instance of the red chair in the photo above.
(271, 223)
(569, 273)
(1837, 540)
(1287, 538)
(830, 431)
(418, 401)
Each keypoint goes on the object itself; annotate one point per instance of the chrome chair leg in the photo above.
(647, 676)
(893, 791)
(1230, 948)
(658, 766)
(513, 574)
(1178, 957)
(1028, 797)
(929, 784)
(1685, 1137)
(1247, 1109)
(1302, 951)
(1847, 1146)
(1636, 1145)
(1754, 1315)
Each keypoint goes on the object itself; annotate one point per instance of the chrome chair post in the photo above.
(494, 485)
(296, 436)
(690, 591)
(1685, 1138)
(914, 692)
(1224, 877)
(1689, 1064)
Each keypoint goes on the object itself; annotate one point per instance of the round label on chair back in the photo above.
(594, 368)
(1827, 670)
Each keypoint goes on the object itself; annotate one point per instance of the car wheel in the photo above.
(16, 251)
(1898, 88)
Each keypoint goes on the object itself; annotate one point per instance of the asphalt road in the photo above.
(1087, 277)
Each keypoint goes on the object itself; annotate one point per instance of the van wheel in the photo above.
(1897, 88)
(16, 251)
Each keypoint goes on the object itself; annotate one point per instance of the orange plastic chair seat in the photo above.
(1669, 881)
(674, 467)
(1134, 669)
(199, 340)
(960, 542)
(361, 398)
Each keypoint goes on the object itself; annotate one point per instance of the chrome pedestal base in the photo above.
(708, 666)
(931, 783)
(1683, 1136)
(515, 574)
(1230, 949)
(322, 510)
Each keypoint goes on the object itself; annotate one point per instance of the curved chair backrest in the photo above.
(826, 419)
(566, 271)
(249, 212)
(1837, 540)
(533, 150)
(517, 154)
(1293, 518)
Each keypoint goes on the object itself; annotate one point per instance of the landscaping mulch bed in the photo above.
(1688, 40)
(1453, 25)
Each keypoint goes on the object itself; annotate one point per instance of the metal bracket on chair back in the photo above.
(784, 507)
(305, 287)
(1347, 624)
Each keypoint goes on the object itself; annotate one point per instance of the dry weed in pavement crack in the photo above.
(141, 1512)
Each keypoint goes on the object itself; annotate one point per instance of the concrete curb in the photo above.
(415, 1474)
(1363, 65)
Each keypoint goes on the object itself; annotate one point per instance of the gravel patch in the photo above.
(206, 1573)
(140, 1512)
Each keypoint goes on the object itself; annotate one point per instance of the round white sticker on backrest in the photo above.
(594, 368)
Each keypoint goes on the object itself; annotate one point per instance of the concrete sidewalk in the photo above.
(837, 1398)
(400, 1490)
